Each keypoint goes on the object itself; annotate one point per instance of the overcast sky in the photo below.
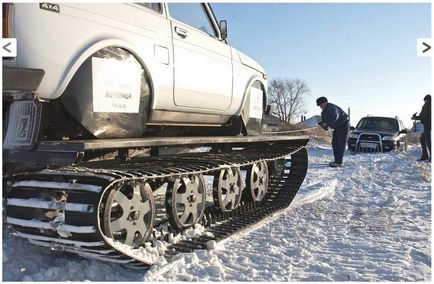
(360, 56)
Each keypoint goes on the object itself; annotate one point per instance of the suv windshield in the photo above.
(378, 124)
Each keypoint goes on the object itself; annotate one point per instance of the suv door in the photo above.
(403, 136)
(202, 63)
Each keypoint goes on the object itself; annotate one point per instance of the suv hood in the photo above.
(250, 62)
(382, 133)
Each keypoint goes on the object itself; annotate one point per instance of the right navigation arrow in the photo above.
(423, 47)
(428, 47)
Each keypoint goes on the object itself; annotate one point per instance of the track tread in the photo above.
(219, 225)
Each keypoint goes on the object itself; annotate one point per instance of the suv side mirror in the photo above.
(224, 29)
(352, 128)
(404, 131)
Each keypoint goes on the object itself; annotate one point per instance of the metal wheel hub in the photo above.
(227, 189)
(258, 180)
(134, 215)
(185, 201)
(129, 213)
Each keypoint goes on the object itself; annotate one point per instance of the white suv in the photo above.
(121, 70)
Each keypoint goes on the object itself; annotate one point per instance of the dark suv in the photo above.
(378, 134)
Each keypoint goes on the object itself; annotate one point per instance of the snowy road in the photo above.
(369, 221)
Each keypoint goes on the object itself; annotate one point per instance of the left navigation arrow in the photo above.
(9, 47)
(5, 47)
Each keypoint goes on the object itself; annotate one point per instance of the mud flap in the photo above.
(23, 121)
(253, 110)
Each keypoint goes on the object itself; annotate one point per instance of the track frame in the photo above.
(87, 187)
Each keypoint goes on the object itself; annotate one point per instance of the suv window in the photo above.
(153, 6)
(192, 14)
(378, 123)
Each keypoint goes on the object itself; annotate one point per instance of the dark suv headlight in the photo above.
(354, 135)
(390, 138)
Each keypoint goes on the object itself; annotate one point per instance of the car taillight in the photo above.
(7, 20)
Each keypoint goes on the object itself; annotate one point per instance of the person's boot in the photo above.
(423, 159)
(335, 165)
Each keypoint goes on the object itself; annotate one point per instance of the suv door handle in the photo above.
(181, 32)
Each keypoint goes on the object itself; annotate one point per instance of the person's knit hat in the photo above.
(321, 100)
(427, 98)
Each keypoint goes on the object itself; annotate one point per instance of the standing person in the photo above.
(334, 117)
(425, 118)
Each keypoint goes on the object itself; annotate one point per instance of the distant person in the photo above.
(334, 117)
(425, 118)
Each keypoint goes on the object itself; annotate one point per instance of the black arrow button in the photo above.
(428, 47)
(5, 47)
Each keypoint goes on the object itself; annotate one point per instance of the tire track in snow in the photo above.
(314, 192)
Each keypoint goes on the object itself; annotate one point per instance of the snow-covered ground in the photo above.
(367, 221)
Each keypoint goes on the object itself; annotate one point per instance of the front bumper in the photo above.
(357, 145)
(21, 80)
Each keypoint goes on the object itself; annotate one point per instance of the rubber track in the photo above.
(86, 188)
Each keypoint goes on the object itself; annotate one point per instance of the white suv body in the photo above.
(191, 70)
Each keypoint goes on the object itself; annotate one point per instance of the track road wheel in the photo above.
(129, 213)
(185, 201)
(257, 181)
(227, 189)
(276, 167)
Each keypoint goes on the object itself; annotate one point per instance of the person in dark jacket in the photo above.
(334, 117)
(425, 118)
